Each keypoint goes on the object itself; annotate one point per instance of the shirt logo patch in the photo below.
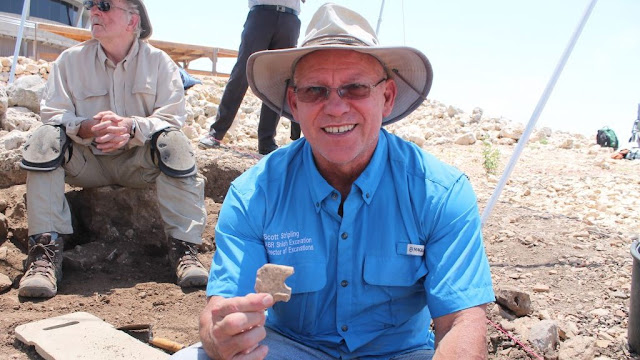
(415, 250)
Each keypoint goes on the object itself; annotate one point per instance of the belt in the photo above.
(278, 8)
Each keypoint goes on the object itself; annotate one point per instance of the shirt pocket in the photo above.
(143, 97)
(144, 87)
(303, 313)
(89, 101)
(398, 270)
(308, 277)
(394, 285)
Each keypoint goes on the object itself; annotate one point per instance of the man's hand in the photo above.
(109, 130)
(233, 328)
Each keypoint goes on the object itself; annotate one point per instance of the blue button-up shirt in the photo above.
(407, 248)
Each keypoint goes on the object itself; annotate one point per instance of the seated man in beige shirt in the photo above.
(112, 114)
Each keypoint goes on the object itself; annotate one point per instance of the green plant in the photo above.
(491, 157)
(544, 141)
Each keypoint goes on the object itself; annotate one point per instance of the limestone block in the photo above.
(58, 338)
(27, 91)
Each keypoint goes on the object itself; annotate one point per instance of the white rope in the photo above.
(536, 113)
(379, 20)
(16, 51)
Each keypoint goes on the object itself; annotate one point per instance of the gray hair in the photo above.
(133, 7)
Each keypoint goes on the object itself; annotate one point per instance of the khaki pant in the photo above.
(181, 200)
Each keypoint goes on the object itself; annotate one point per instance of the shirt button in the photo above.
(344, 283)
(334, 196)
(368, 195)
(345, 328)
(344, 236)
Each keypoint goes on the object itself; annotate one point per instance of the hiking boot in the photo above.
(43, 268)
(209, 142)
(183, 256)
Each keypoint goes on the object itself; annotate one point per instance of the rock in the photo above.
(567, 144)
(476, 115)
(3, 230)
(512, 132)
(578, 348)
(190, 132)
(20, 118)
(270, 279)
(540, 288)
(27, 92)
(5, 282)
(95, 211)
(4, 101)
(452, 111)
(13, 140)
(599, 312)
(10, 172)
(210, 109)
(544, 337)
(514, 299)
(466, 139)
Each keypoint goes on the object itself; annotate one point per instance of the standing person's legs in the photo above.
(255, 37)
(286, 33)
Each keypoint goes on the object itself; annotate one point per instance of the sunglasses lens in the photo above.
(354, 91)
(102, 5)
(311, 94)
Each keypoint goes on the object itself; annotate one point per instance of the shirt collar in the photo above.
(133, 51)
(367, 182)
(370, 178)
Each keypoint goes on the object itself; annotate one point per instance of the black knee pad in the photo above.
(46, 148)
(175, 155)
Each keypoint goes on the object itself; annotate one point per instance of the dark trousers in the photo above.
(263, 30)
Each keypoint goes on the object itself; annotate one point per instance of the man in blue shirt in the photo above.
(383, 237)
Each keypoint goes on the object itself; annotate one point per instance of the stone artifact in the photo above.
(270, 279)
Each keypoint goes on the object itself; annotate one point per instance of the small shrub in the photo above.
(491, 157)
(544, 141)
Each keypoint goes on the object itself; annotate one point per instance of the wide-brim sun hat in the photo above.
(334, 27)
(145, 24)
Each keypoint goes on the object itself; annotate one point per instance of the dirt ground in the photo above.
(583, 260)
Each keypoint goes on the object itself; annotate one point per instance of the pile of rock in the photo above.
(24, 67)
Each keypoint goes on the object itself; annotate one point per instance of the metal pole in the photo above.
(16, 51)
(379, 19)
(536, 113)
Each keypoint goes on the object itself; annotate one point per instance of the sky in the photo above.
(498, 55)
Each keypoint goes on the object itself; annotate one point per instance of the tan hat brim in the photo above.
(145, 23)
(268, 72)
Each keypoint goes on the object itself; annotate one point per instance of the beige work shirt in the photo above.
(145, 86)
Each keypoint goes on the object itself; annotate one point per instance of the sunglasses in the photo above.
(103, 6)
(316, 93)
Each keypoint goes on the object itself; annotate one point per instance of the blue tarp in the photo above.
(188, 80)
